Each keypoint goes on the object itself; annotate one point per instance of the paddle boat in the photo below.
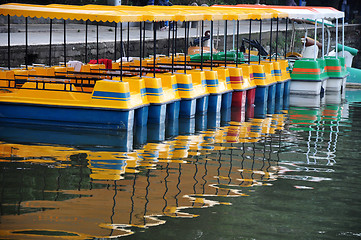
(310, 74)
(148, 89)
(110, 105)
(244, 87)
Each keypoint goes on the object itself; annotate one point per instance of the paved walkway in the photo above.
(38, 34)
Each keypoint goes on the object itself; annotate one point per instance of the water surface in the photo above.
(286, 176)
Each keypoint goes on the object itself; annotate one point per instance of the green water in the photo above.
(288, 176)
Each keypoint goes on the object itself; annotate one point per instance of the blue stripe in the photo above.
(259, 75)
(155, 94)
(185, 86)
(212, 81)
(143, 92)
(113, 99)
(228, 80)
(185, 89)
(174, 86)
(278, 73)
(204, 83)
(111, 94)
(154, 90)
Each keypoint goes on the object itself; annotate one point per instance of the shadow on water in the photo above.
(223, 174)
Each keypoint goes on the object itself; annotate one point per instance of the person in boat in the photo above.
(207, 36)
(291, 3)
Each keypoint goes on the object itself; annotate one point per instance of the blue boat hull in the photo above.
(188, 107)
(213, 120)
(215, 103)
(141, 116)
(271, 99)
(156, 132)
(51, 115)
(140, 135)
(286, 94)
(171, 128)
(279, 97)
(226, 100)
(157, 113)
(202, 104)
(173, 110)
(225, 116)
(201, 122)
(260, 101)
(261, 95)
(187, 126)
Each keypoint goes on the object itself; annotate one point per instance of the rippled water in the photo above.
(286, 176)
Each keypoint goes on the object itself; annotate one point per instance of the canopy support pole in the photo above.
(169, 29)
(175, 39)
(26, 43)
(336, 37)
(143, 54)
(237, 43)
(343, 37)
(260, 39)
(185, 46)
(121, 51)
(140, 50)
(86, 40)
(50, 40)
(286, 37)
(234, 34)
(270, 42)
(128, 41)
(115, 41)
(154, 46)
(211, 39)
(225, 43)
(188, 32)
(173, 43)
(201, 44)
(9, 41)
(323, 38)
(314, 52)
(277, 30)
(65, 42)
(249, 45)
(98, 42)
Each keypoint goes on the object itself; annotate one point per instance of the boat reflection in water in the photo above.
(318, 123)
(83, 185)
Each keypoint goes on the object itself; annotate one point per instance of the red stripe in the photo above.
(236, 79)
(338, 68)
(306, 70)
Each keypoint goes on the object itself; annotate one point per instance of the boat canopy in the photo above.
(71, 12)
(255, 12)
(106, 13)
(296, 12)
